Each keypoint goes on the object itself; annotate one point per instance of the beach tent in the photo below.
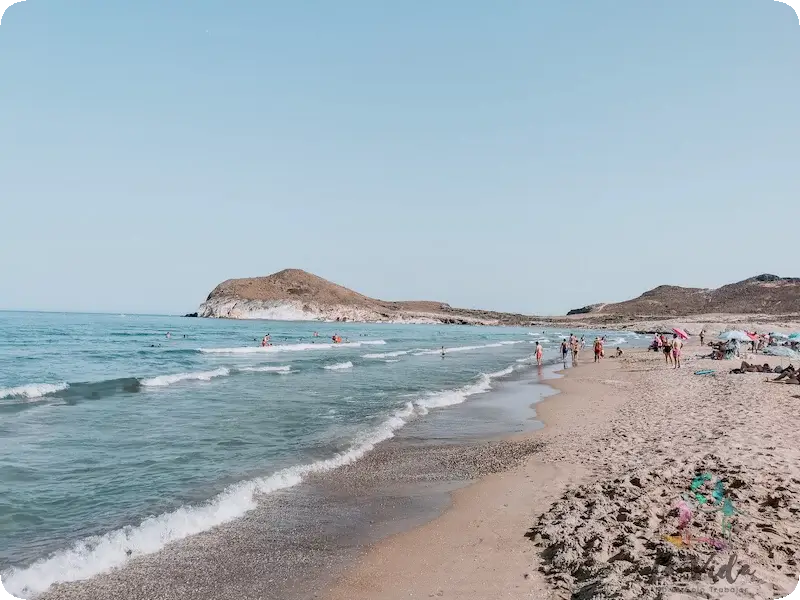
(782, 336)
(795, 337)
(734, 335)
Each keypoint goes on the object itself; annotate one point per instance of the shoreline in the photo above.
(295, 539)
(475, 526)
(392, 569)
(529, 532)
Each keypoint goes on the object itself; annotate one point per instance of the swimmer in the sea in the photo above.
(442, 351)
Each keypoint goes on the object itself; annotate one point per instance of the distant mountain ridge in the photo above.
(295, 295)
(763, 294)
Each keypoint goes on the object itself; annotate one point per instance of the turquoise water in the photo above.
(117, 440)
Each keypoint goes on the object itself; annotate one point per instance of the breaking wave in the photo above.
(459, 395)
(266, 369)
(289, 348)
(97, 554)
(32, 390)
(466, 348)
(165, 380)
(339, 366)
(388, 354)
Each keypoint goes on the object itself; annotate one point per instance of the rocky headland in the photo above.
(295, 295)
(765, 301)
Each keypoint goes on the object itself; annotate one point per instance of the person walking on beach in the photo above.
(539, 351)
(702, 336)
(677, 345)
(598, 348)
(667, 348)
(583, 342)
(564, 351)
(575, 349)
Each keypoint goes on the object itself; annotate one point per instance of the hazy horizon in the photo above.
(519, 157)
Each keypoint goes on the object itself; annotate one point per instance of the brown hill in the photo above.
(289, 284)
(764, 294)
(294, 294)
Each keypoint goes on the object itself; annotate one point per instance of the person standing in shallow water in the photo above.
(564, 351)
(539, 351)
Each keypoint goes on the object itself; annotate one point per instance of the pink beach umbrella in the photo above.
(681, 333)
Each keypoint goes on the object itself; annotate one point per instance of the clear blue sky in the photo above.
(514, 155)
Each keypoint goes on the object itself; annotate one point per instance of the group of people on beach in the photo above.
(572, 346)
(671, 348)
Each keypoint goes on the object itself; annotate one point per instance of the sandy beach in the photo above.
(594, 511)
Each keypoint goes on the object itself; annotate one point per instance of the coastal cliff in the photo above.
(295, 295)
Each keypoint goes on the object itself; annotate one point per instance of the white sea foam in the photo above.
(266, 369)
(289, 348)
(97, 554)
(340, 366)
(459, 395)
(388, 354)
(466, 348)
(164, 380)
(391, 360)
(32, 390)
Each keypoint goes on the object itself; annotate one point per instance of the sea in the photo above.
(120, 434)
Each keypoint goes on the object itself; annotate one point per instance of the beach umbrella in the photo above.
(782, 351)
(680, 333)
(734, 335)
(752, 336)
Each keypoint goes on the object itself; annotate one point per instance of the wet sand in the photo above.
(592, 513)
